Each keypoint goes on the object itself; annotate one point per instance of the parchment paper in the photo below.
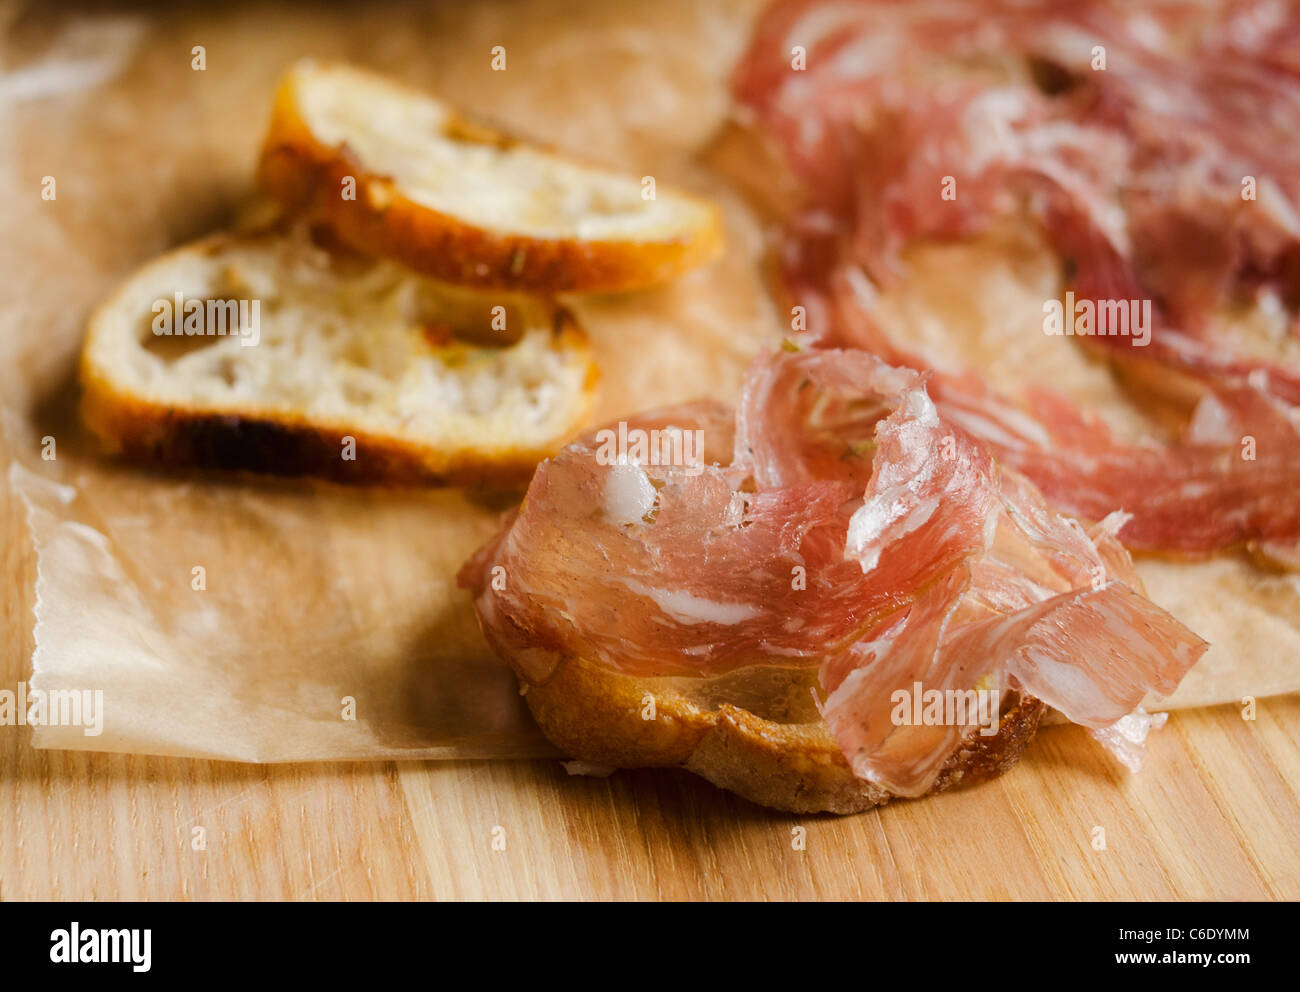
(313, 593)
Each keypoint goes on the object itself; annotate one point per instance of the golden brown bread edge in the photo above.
(160, 434)
(306, 177)
(157, 434)
(595, 714)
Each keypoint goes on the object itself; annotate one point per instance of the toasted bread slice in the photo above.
(399, 175)
(756, 732)
(433, 384)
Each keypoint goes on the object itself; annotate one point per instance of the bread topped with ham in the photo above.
(778, 613)
(882, 532)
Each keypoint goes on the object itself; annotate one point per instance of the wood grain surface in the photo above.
(1216, 815)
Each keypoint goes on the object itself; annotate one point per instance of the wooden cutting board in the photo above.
(1216, 815)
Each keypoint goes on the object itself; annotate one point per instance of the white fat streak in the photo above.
(1114, 522)
(991, 520)
(821, 22)
(1026, 426)
(870, 521)
(921, 408)
(861, 287)
(1211, 422)
(1148, 31)
(810, 129)
(989, 123)
(1262, 20)
(629, 494)
(685, 607)
(865, 56)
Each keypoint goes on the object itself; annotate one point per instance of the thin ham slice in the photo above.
(853, 527)
(1171, 175)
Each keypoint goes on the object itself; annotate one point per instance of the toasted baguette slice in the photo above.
(414, 371)
(756, 732)
(399, 175)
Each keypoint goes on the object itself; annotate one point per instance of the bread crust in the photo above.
(158, 434)
(277, 442)
(307, 176)
(596, 715)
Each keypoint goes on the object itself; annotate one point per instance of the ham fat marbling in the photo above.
(837, 519)
(1154, 144)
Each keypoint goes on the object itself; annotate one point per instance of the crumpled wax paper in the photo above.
(317, 602)
(311, 594)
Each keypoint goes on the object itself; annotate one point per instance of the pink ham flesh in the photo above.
(852, 527)
(1170, 175)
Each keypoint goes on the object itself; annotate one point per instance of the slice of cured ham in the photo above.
(851, 526)
(1156, 148)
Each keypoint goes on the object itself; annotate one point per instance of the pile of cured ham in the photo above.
(893, 525)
